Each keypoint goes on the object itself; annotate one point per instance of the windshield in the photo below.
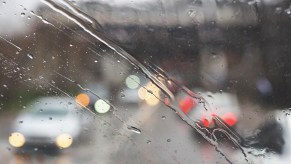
(151, 81)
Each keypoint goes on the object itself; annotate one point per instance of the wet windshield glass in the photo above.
(151, 81)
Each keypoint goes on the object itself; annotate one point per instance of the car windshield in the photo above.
(149, 81)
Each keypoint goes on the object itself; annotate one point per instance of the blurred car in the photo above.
(50, 124)
(222, 105)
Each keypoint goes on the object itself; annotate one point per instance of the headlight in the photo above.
(16, 139)
(101, 106)
(132, 81)
(150, 93)
(64, 141)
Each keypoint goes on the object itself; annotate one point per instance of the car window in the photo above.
(149, 81)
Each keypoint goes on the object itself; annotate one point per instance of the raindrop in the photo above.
(22, 14)
(122, 95)
(5, 86)
(95, 61)
(209, 95)
(41, 110)
(71, 45)
(30, 56)
(134, 129)
(149, 141)
(29, 78)
(29, 17)
(149, 91)
(3, 3)
(50, 118)
(169, 140)
(190, 12)
(20, 122)
(163, 117)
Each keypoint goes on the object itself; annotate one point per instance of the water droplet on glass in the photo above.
(134, 129)
(169, 140)
(3, 3)
(20, 122)
(163, 117)
(71, 45)
(29, 17)
(22, 14)
(41, 110)
(190, 12)
(30, 56)
(29, 78)
(5, 86)
(149, 141)
(122, 95)
(95, 61)
(149, 91)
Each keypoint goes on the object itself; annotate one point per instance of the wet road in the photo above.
(164, 138)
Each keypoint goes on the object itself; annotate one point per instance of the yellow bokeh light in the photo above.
(64, 141)
(150, 93)
(16, 139)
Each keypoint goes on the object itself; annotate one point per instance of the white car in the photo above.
(50, 123)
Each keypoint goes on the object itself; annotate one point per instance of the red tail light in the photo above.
(229, 118)
(187, 104)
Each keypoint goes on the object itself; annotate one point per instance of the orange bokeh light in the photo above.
(83, 99)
